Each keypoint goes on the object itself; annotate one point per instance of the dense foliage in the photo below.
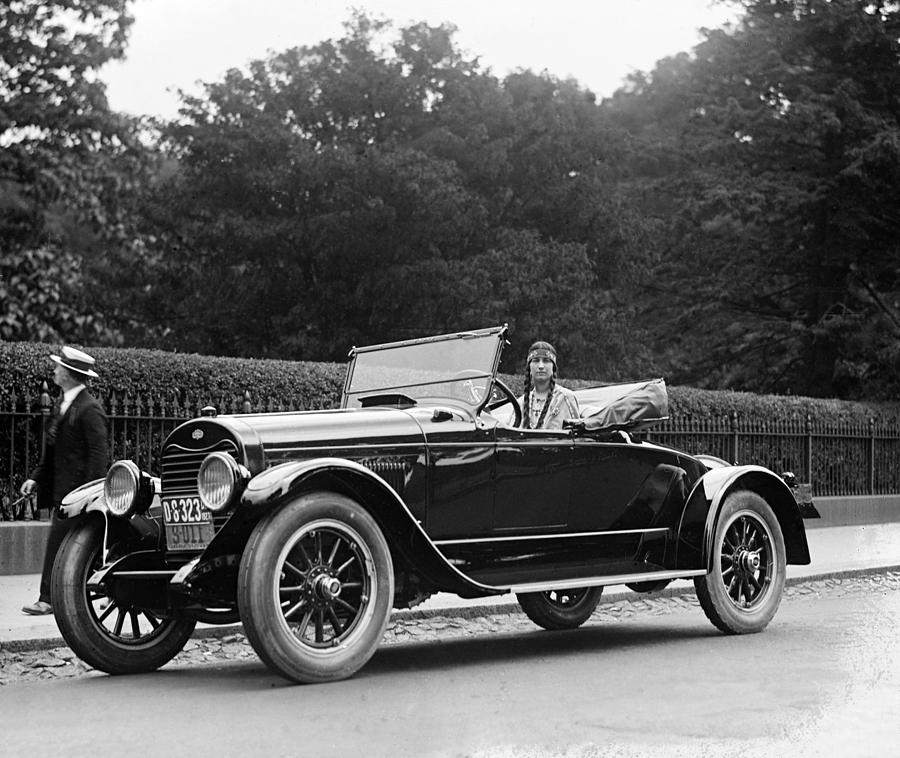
(346, 193)
(727, 220)
(770, 167)
(67, 167)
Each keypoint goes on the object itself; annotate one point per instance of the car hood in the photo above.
(267, 437)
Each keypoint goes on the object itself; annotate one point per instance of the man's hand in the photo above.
(29, 486)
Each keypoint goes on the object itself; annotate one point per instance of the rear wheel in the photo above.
(111, 632)
(742, 592)
(316, 588)
(560, 609)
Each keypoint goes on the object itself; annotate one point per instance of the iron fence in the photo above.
(137, 426)
(837, 459)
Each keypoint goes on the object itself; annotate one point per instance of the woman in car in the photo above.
(545, 403)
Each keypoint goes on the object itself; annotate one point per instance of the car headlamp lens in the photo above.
(219, 480)
(122, 488)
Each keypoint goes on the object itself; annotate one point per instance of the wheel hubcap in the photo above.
(327, 588)
(747, 560)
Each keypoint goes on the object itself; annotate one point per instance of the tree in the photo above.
(359, 191)
(769, 167)
(67, 165)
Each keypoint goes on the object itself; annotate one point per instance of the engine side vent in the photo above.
(394, 471)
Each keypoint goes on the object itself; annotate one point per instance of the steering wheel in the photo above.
(505, 396)
(470, 386)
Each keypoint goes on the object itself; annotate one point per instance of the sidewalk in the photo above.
(834, 550)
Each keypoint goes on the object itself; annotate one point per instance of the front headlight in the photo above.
(219, 481)
(122, 488)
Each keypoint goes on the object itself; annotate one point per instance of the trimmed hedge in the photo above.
(198, 380)
(178, 378)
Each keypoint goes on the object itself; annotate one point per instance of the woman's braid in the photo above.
(526, 410)
(527, 403)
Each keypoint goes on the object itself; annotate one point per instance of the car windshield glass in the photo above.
(457, 368)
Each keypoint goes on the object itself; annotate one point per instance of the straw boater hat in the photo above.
(76, 360)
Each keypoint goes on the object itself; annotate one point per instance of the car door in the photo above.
(460, 460)
(533, 479)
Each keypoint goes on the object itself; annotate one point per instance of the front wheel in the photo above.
(560, 609)
(743, 590)
(316, 587)
(110, 632)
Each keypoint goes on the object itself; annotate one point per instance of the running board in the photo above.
(601, 581)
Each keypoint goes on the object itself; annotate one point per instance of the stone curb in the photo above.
(465, 612)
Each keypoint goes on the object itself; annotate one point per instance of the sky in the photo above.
(175, 44)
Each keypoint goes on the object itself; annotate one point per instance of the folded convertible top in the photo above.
(630, 406)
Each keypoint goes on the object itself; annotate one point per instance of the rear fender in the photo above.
(285, 482)
(701, 513)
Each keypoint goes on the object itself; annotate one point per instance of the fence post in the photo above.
(245, 406)
(45, 414)
(808, 451)
(734, 438)
(871, 456)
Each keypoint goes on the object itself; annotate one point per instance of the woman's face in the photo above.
(541, 370)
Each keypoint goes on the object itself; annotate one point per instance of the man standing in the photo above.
(545, 404)
(75, 453)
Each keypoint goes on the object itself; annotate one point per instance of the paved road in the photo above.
(643, 677)
(833, 549)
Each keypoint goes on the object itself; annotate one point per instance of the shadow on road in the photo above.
(434, 655)
(504, 647)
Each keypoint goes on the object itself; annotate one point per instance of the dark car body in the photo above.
(425, 444)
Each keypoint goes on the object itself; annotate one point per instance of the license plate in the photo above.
(188, 524)
(189, 536)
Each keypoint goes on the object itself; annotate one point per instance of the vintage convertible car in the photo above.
(309, 527)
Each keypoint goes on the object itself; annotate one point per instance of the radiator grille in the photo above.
(180, 466)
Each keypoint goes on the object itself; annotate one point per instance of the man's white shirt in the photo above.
(68, 397)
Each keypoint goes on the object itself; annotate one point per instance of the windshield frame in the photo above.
(352, 397)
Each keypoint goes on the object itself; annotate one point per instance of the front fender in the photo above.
(287, 481)
(87, 501)
(701, 513)
(87, 496)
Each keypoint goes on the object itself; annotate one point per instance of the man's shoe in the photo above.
(40, 608)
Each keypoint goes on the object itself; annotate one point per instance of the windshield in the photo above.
(456, 367)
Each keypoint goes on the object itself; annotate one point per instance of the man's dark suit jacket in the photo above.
(76, 454)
